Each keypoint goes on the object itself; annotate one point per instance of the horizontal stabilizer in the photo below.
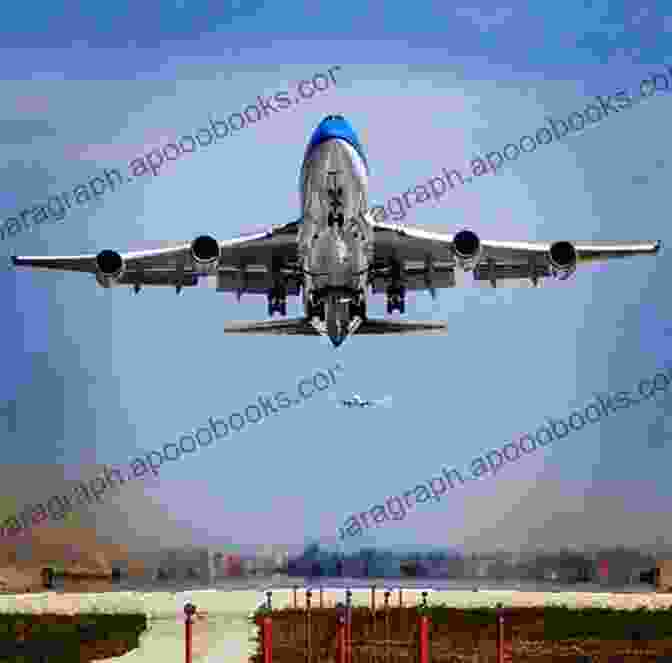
(419, 328)
(302, 327)
(292, 326)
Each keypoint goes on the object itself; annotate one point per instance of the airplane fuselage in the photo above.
(335, 244)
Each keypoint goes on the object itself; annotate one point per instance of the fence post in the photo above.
(189, 610)
(423, 636)
(321, 596)
(295, 588)
(267, 632)
(348, 625)
(504, 644)
(424, 639)
(372, 615)
(340, 635)
(309, 593)
(387, 625)
(401, 600)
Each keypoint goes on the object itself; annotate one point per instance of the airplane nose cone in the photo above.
(338, 320)
(338, 332)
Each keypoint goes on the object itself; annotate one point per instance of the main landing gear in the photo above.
(396, 300)
(277, 301)
(316, 308)
(358, 307)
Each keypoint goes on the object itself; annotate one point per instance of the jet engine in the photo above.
(562, 259)
(109, 268)
(467, 249)
(205, 251)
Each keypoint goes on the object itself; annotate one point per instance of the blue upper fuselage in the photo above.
(336, 126)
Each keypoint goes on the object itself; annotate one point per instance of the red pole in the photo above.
(189, 611)
(340, 641)
(187, 643)
(268, 639)
(504, 644)
(348, 624)
(309, 657)
(424, 639)
(500, 639)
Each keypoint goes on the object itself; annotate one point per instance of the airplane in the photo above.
(356, 401)
(335, 252)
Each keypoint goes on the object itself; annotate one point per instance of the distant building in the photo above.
(384, 566)
(664, 575)
(226, 565)
(184, 564)
(280, 560)
(329, 566)
(354, 567)
(300, 567)
(438, 569)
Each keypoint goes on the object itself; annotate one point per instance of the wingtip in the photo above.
(659, 245)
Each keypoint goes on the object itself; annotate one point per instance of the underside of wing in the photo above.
(418, 258)
(252, 263)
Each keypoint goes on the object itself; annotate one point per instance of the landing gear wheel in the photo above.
(396, 301)
(317, 311)
(283, 308)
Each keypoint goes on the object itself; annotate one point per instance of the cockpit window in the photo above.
(334, 117)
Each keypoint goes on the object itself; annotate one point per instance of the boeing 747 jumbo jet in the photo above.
(335, 252)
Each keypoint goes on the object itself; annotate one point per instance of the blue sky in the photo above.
(100, 375)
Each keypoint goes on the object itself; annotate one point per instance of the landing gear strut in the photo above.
(316, 309)
(277, 301)
(358, 307)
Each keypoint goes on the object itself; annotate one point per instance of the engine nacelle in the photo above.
(205, 251)
(109, 268)
(562, 259)
(467, 249)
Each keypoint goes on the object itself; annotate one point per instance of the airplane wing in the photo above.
(247, 264)
(425, 259)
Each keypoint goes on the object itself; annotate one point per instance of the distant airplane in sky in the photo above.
(356, 401)
(337, 251)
